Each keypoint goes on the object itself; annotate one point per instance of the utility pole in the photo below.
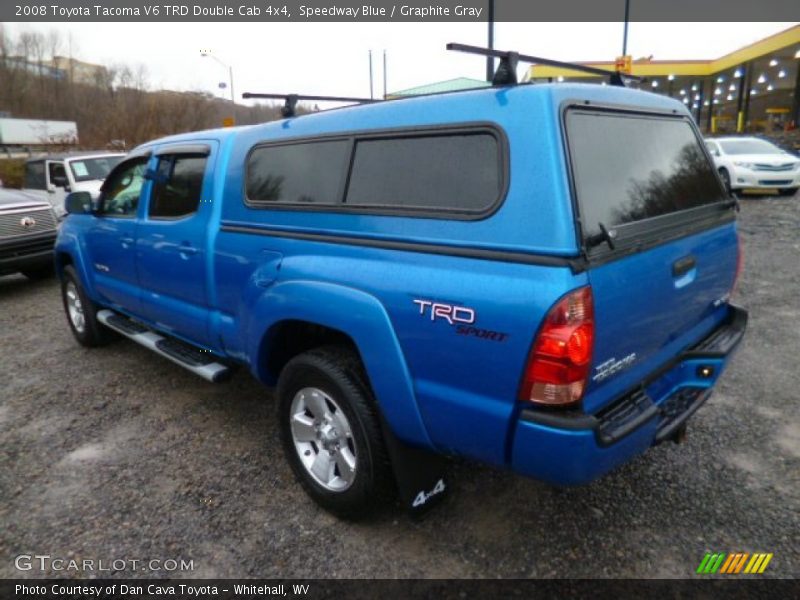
(384, 75)
(371, 94)
(625, 30)
(489, 59)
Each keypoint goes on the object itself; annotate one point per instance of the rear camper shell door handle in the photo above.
(683, 265)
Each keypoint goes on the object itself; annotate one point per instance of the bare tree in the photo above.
(109, 103)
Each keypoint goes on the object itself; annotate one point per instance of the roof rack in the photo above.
(290, 100)
(506, 73)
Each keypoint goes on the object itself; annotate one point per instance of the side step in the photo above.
(189, 357)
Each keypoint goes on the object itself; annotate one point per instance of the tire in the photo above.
(87, 329)
(40, 273)
(788, 191)
(328, 420)
(726, 179)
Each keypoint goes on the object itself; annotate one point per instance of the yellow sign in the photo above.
(624, 64)
(228, 122)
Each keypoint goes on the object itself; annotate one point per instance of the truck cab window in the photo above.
(178, 185)
(122, 189)
(57, 174)
(34, 176)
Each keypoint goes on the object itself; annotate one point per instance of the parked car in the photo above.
(51, 178)
(537, 277)
(27, 235)
(753, 163)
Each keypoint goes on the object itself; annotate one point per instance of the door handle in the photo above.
(126, 241)
(683, 265)
(186, 249)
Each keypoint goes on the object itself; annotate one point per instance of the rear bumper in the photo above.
(575, 448)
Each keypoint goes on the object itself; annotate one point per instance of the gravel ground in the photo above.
(119, 454)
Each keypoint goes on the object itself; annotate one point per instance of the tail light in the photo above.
(559, 363)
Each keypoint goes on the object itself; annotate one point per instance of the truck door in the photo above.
(172, 241)
(57, 185)
(111, 240)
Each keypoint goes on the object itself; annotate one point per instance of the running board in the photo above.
(194, 359)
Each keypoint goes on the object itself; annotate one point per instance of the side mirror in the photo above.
(78, 203)
(51, 189)
(60, 181)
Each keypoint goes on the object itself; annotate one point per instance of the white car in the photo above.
(753, 163)
(52, 177)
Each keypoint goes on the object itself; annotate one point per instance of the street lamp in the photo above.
(625, 28)
(489, 59)
(230, 71)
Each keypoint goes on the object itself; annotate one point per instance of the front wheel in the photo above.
(81, 312)
(331, 432)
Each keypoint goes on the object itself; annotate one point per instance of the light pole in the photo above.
(489, 59)
(371, 93)
(625, 30)
(230, 75)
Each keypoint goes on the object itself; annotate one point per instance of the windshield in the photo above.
(88, 169)
(749, 147)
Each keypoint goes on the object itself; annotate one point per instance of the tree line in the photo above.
(112, 106)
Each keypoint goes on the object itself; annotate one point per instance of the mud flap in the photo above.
(419, 473)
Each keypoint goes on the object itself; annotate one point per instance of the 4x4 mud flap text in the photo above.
(419, 473)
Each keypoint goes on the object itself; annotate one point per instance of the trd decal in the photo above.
(462, 317)
(447, 312)
(484, 334)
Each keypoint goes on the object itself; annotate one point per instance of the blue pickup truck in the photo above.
(537, 277)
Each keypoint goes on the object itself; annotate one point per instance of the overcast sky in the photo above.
(332, 58)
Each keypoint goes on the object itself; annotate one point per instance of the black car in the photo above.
(27, 234)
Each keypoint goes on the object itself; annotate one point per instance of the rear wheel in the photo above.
(81, 312)
(331, 432)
